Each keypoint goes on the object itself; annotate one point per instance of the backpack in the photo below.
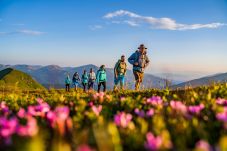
(142, 60)
(67, 81)
(102, 75)
(121, 67)
(85, 78)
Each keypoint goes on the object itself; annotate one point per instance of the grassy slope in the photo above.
(14, 79)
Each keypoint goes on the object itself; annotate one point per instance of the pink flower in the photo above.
(90, 104)
(62, 112)
(142, 113)
(59, 118)
(39, 110)
(21, 113)
(152, 143)
(97, 110)
(4, 108)
(122, 119)
(39, 100)
(150, 112)
(30, 129)
(51, 117)
(220, 101)
(7, 127)
(155, 100)
(100, 96)
(222, 116)
(178, 106)
(195, 109)
(203, 146)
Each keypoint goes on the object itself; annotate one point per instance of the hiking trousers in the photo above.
(67, 87)
(84, 86)
(139, 78)
(102, 84)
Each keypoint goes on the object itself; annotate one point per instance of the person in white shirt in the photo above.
(92, 78)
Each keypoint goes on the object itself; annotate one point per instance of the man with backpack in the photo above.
(92, 78)
(76, 80)
(101, 78)
(140, 61)
(119, 73)
(84, 79)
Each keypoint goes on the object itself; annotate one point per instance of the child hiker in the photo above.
(84, 79)
(76, 80)
(67, 83)
(101, 78)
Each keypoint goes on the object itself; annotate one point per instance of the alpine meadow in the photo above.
(116, 75)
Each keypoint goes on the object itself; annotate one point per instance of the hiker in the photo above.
(84, 79)
(76, 80)
(67, 83)
(119, 73)
(92, 78)
(101, 78)
(140, 61)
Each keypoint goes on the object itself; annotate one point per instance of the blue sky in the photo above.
(183, 37)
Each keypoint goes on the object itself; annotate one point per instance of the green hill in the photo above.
(14, 79)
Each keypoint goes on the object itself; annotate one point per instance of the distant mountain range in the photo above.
(14, 79)
(52, 76)
(204, 81)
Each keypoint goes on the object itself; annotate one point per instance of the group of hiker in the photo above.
(138, 59)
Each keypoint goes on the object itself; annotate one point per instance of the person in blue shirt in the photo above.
(67, 83)
(76, 80)
(101, 78)
(140, 61)
(84, 79)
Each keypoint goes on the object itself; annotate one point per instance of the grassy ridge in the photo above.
(11, 79)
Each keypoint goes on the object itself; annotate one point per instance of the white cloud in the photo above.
(95, 27)
(128, 22)
(134, 19)
(25, 32)
(121, 13)
(31, 32)
(131, 23)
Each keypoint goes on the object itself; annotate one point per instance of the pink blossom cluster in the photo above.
(155, 101)
(195, 109)
(220, 101)
(142, 113)
(153, 143)
(122, 119)
(222, 116)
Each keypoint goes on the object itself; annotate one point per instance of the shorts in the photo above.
(121, 79)
(76, 84)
